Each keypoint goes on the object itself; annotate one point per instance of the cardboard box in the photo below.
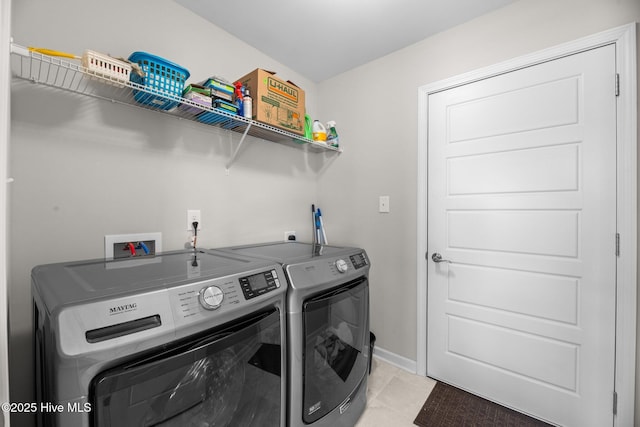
(275, 102)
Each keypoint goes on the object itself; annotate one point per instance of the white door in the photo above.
(522, 202)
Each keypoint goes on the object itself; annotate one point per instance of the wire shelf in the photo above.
(60, 73)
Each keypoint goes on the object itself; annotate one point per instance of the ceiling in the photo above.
(323, 38)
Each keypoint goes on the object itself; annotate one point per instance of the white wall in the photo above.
(375, 107)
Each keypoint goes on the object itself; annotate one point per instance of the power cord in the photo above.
(195, 233)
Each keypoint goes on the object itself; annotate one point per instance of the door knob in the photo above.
(436, 257)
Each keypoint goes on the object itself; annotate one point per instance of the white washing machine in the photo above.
(186, 338)
(328, 329)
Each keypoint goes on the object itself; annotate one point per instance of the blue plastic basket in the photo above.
(161, 77)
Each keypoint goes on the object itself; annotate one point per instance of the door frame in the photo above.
(624, 38)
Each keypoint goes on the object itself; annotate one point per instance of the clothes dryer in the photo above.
(328, 329)
(186, 338)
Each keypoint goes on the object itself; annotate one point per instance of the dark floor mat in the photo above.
(448, 406)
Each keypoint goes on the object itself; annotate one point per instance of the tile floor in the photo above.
(394, 396)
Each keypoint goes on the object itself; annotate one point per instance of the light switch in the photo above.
(383, 204)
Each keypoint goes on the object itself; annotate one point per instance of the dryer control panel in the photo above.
(327, 270)
(359, 260)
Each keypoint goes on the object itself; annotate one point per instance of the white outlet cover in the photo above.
(193, 215)
(111, 239)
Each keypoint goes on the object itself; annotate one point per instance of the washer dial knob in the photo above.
(211, 297)
(342, 266)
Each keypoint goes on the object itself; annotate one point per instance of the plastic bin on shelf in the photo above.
(162, 77)
(105, 66)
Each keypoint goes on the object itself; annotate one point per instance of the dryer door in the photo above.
(336, 334)
(228, 377)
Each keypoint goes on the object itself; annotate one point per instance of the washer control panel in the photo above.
(259, 284)
(189, 301)
(211, 297)
(218, 296)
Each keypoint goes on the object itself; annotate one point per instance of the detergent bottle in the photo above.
(319, 131)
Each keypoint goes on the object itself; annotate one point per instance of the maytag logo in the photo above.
(123, 308)
(282, 89)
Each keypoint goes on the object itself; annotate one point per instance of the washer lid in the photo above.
(69, 283)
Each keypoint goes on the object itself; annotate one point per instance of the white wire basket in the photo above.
(106, 66)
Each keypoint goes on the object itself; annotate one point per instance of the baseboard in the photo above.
(395, 359)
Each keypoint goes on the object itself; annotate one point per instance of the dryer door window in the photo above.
(229, 377)
(336, 334)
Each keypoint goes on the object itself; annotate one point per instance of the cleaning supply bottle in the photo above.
(238, 93)
(332, 134)
(319, 131)
(247, 104)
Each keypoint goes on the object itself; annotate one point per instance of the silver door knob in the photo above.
(436, 257)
